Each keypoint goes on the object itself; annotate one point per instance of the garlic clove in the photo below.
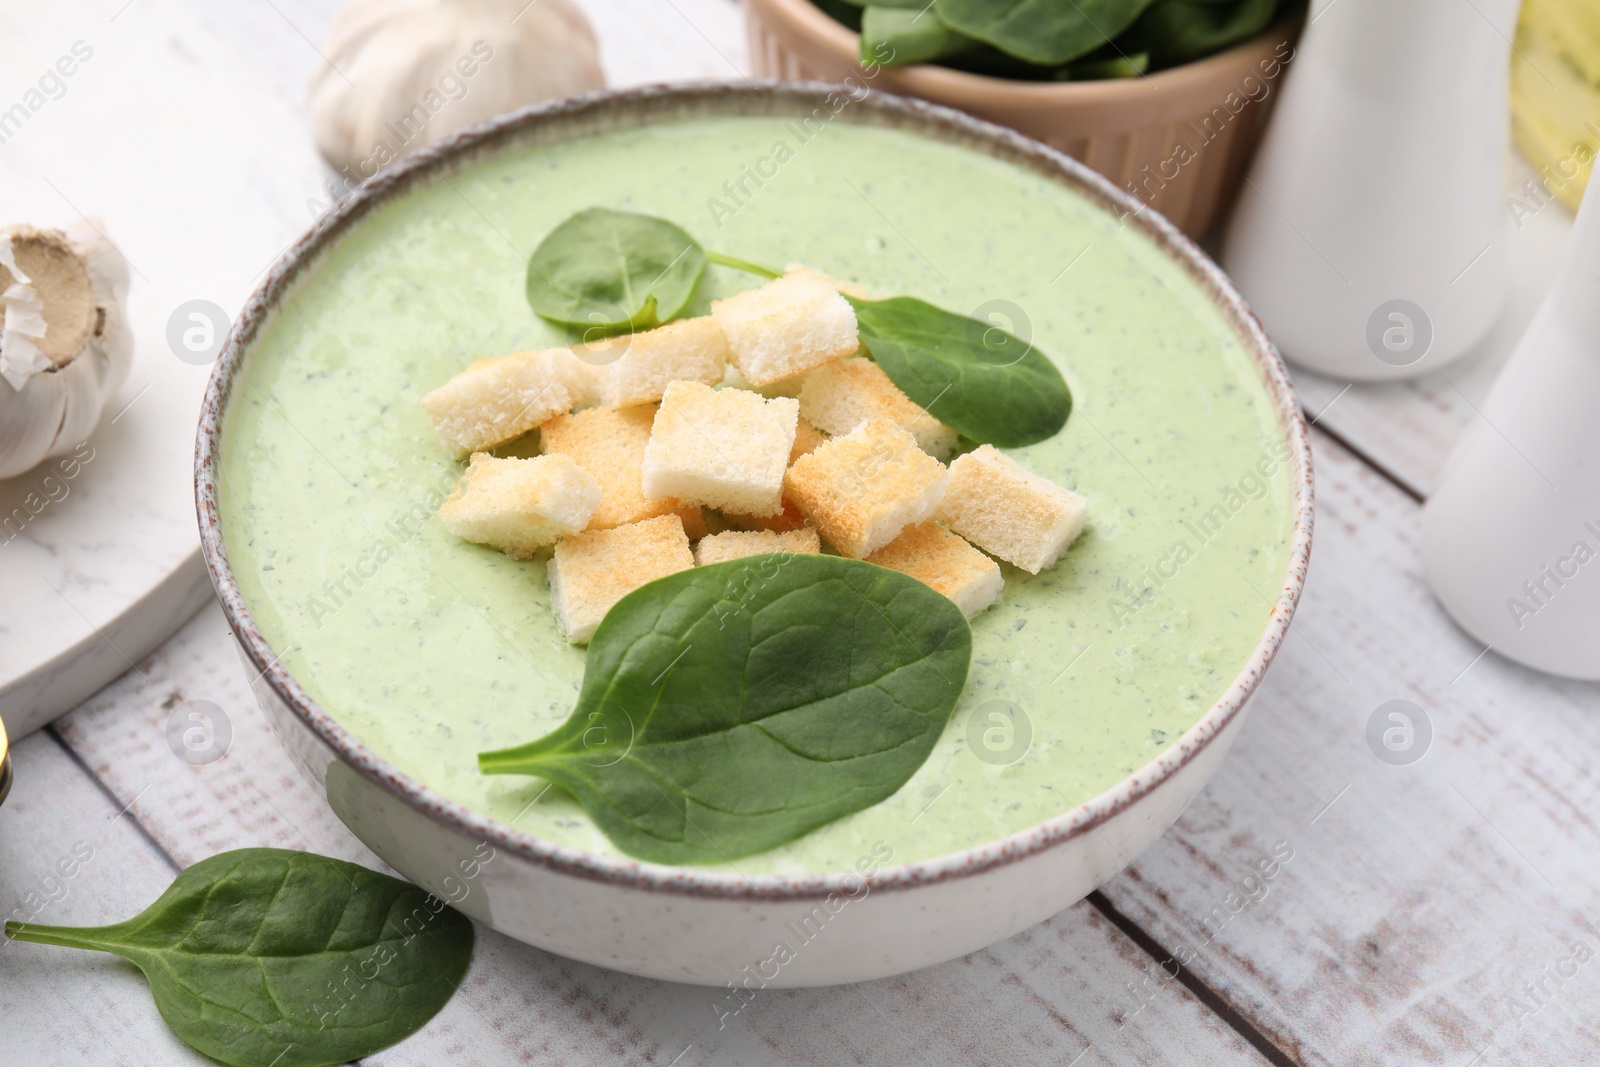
(65, 344)
(404, 73)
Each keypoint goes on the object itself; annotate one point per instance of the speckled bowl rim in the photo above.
(596, 113)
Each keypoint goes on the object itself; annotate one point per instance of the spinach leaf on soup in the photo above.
(730, 709)
(605, 271)
(984, 382)
(263, 956)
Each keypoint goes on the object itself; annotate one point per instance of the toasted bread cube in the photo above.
(1008, 512)
(520, 505)
(736, 544)
(846, 287)
(495, 400)
(637, 368)
(591, 571)
(842, 395)
(862, 489)
(807, 439)
(786, 327)
(944, 562)
(609, 443)
(724, 448)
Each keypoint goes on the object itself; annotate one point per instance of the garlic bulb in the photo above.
(65, 345)
(403, 73)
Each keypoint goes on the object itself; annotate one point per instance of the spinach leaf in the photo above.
(606, 271)
(907, 36)
(1048, 32)
(729, 709)
(263, 956)
(1095, 67)
(1179, 31)
(980, 380)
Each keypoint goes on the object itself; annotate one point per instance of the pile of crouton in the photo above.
(803, 443)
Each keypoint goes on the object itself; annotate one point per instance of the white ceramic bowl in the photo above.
(705, 927)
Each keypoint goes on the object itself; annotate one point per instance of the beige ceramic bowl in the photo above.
(1178, 140)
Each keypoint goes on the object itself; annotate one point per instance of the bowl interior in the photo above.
(1090, 682)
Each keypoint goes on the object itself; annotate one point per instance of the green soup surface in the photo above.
(430, 650)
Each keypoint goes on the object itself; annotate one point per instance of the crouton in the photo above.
(842, 395)
(736, 544)
(944, 562)
(591, 571)
(722, 448)
(786, 327)
(847, 288)
(495, 400)
(520, 505)
(806, 439)
(609, 443)
(1008, 512)
(862, 489)
(637, 368)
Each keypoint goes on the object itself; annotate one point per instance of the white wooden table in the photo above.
(1422, 918)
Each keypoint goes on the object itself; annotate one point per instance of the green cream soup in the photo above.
(430, 650)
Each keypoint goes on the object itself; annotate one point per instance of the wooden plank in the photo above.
(68, 857)
(1419, 899)
(1063, 984)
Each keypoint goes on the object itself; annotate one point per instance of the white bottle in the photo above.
(1511, 537)
(1372, 234)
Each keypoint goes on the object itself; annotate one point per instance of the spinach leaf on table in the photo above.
(1181, 31)
(729, 709)
(983, 382)
(606, 271)
(1045, 32)
(264, 956)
